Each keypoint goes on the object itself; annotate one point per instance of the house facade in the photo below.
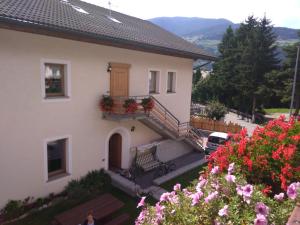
(51, 126)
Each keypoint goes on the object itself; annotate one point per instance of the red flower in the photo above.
(283, 182)
(248, 163)
(267, 190)
(242, 147)
(289, 151)
(287, 170)
(296, 137)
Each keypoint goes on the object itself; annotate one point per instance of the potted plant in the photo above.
(130, 105)
(106, 104)
(147, 104)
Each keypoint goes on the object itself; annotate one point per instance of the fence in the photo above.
(212, 125)
(198, 109)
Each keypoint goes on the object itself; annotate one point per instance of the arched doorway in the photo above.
(115, 151)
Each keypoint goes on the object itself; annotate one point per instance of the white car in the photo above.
(214, 140)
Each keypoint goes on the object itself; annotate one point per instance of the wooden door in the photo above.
(119, 79)
(115, 151)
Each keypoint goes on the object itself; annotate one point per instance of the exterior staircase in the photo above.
(159, 119)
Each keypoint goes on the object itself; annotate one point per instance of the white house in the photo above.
(57, 58)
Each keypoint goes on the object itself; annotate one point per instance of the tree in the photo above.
(239, 77)
(257, 52)
(281, 80)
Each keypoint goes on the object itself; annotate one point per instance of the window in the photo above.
(56, 157)
(171, 82)
(55, 80)
(153, 82)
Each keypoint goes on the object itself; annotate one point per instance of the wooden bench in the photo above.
(102, 207)
(119, 220)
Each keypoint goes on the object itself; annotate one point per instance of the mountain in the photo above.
(207, 33)
(210, 29)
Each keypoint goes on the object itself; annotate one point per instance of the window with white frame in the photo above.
(171, 82)
(57, 156)
(55, 78)
(153, 82)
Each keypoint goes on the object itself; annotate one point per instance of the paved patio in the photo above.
(146, 179)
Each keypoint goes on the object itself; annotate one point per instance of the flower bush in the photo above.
(106, 104)
(147, 104)
(270, 157)
(130, 105)
(221, 199)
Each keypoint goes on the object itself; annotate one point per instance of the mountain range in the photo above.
(207, 33)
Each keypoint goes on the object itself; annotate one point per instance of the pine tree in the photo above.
(257, 50)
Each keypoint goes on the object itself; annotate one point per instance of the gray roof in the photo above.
(92, 23)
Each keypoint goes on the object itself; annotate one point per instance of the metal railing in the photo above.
(159, 113)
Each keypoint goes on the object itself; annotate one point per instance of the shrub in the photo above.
(271, 156)
(94, 183)
(130, 105)
(215, 110)
(106, 104)
(13, 209)
(219, 199)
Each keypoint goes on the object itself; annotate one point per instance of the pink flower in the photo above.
(211, 196)
(215, 185)
(230, 178)
(260, 220)
(239, 190)
(186, 192)
(173, 198)
(196, 197)
(202, 182)
(164, 197)
(261, 208)
(279, 197)
(247, 190)
(292, 190)
(159, 212)
(141, 217)
(214, 170)
(231, 168)
(142, 202)
(223, 211)
(177, 187)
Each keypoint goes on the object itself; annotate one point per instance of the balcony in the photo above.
(148, 110)
(143, 108)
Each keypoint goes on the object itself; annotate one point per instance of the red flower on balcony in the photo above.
(106, 104)
(147, 104)
(130, 105)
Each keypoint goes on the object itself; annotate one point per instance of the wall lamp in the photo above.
(132, 129)
(109, 68)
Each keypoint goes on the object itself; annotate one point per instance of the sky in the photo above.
(284, 13)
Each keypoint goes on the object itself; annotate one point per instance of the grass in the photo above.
(185, 179)
(276, 110)
(45, 216)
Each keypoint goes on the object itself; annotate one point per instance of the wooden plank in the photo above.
(102, 206)
(119, 220)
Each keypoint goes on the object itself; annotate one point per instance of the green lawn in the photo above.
(184, 179)
(45, 216)
(276, 110)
